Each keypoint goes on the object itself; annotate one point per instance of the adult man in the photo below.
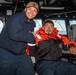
(14, 37)
(48, 51)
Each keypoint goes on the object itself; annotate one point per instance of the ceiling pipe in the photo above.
(74, 2)
(63, 13)
(52, 1)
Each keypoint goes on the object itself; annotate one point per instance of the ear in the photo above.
(25, 9)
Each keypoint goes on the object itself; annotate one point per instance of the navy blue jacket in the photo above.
(15, 34)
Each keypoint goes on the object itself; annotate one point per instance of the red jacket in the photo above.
(42, 36)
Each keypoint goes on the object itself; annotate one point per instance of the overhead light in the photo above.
(4, 2)
(51, 8)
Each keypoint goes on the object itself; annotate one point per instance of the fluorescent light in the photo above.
(51, 8)
(5, 2)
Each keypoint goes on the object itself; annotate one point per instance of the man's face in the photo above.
(30, 12)
(48, 28)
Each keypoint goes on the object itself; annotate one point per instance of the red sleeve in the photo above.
(66, 41)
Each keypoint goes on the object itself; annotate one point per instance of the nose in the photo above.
(49, 28)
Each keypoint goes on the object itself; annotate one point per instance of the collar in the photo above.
(45, 36)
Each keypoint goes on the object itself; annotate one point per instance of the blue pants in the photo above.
(15, 64)
(56, 68)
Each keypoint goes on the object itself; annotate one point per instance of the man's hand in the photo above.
(73, 50)
(33, 34)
